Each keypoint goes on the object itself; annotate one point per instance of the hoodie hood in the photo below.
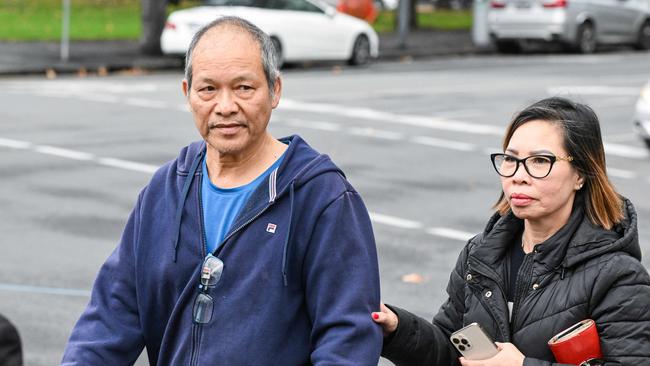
(301, 163)
(577, 241)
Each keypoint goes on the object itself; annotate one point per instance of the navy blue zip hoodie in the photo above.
(297, 296)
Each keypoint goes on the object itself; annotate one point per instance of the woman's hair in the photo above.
(582, 141)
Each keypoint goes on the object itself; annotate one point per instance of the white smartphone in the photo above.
(473, 343)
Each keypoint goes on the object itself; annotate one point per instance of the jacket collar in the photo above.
(577, 241)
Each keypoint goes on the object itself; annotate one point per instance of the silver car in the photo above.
(580, 25)
(642, 114)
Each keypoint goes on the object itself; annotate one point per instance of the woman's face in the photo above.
(541, 199)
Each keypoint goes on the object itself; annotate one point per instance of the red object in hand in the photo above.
(576, 344)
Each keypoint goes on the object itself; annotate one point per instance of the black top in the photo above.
(516, 259)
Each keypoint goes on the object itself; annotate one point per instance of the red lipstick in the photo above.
(520, 199)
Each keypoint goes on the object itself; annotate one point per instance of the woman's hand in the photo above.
(508, 355)
(386, 318)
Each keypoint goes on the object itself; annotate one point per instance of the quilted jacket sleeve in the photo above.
(620, 306)
(418, 342)
(621, 309)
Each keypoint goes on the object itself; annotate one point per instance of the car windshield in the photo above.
(254, 3)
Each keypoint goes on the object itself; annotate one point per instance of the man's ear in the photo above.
(277, 92)
(185, 88)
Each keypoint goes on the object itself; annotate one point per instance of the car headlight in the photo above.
(645, 93)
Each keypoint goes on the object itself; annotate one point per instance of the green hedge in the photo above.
(37, 20)
(435, 19)
(34, 20)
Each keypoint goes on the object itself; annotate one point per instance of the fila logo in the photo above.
(270, 228)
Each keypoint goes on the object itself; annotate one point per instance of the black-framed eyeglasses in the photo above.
(211, 271)
(537, 166)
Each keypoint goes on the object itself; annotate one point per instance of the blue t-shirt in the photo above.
(222, 205)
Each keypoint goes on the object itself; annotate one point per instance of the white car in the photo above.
(301, 30)
(642, 114)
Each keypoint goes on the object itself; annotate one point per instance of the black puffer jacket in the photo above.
(583, 271)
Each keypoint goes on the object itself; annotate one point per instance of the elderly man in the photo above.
(245, 249)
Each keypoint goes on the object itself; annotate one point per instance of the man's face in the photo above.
(230, 99)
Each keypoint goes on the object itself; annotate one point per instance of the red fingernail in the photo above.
(375, 316)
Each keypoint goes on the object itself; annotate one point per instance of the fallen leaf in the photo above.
(50, 74)
(413, 278)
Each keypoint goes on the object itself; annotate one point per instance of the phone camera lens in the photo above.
(464, 341)
(455, 340)
(461, 347)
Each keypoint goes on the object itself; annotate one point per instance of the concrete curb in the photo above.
(22, 58)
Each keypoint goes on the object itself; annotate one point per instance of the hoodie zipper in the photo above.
(223, 242)
(196, 328)
(204, 250)
(194, 354)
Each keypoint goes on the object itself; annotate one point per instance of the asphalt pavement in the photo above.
(18, 58)
(413, 138)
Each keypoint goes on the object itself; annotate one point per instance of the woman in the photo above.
(10, 346)
(562, 247)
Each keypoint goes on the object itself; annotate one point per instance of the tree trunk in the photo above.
(413, 15)
(153, 21)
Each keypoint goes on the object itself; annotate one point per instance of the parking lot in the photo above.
(413, 138)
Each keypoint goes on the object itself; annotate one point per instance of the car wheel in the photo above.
(279, 58)
(586, 38)
(643, 40)
(510, 47)
(360, 51)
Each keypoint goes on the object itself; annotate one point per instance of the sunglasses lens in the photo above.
(202, 311)
(211, 270)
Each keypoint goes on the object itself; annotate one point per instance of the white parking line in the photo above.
(400, 223)
(317, 125)
(64, 153)
(394, 221)
(453, 145)
(128, 165)
(44, 290)
(593, 90)
(492, 150)
(450, 233)
(623, 137)
(15, 144)
(78, 155)
(626, 151)
(380, 134)
(620, 173)
(373, 132)
(392, 118)
(147, 103)
(100, 98)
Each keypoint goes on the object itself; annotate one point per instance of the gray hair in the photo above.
(269, 58)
